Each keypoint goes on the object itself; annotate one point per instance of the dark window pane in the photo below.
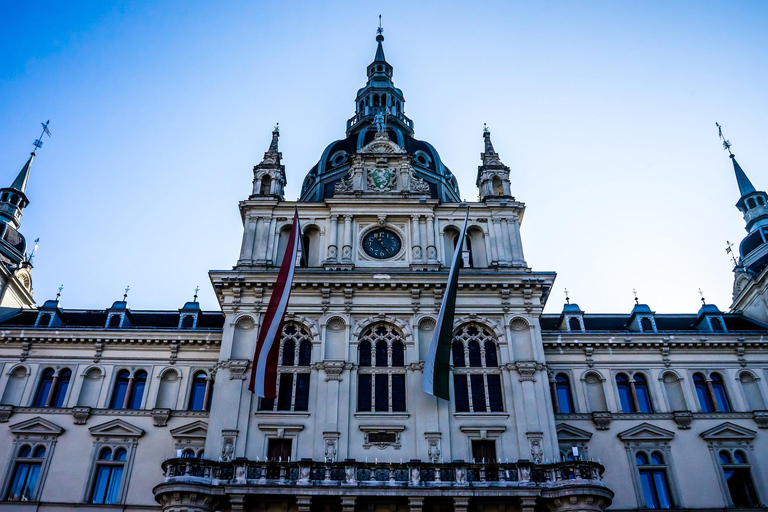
(365, 353)
(461, 393)
(398, 354)
(279, 449)
(457, 349)
(484, 451)
(478, 393)
(305, 353)
(490, 355)
(197, 393)
(381, 354)
(625, 394)
(43, 389)
(474, 354)
(398, 393)
(702, 393)
(302, 392)
(494, 393)
(645, 324)
(662, 489)
(649, 492)
(139, 382)
(364, 393)
(267, 404)
(289, 349)
(741, 488)
(382, 392)
(643, 398)
(722, 398)
(563, 394)
(286, 390)
(39, 452)
(102, 482)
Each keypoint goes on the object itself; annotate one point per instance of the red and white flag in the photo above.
(264, 367)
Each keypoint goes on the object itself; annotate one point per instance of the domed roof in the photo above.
(379, 105)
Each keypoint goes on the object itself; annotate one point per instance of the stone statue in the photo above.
(415, 476)
(536, 452)
(227, 450)
(461, 476)
(330, 450)
(349, 474)
(378, 120)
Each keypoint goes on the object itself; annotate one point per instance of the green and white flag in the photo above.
(437, 367)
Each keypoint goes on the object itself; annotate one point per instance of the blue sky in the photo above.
(604, 111)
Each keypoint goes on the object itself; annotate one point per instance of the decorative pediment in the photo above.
(728, 432)
(116, 428)
(37, 426)
(381, 144)
(646, 432)
(195, 430)
(570, 433)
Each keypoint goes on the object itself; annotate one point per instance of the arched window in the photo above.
(381, 374)
(561, 394)
(52, 389)
(711, 393)
(760, 201)
(476, 373)
(26, 473)
(633, 393)
(200, 394)
(653, 479)
(188, 453)
(738, 478)
(476, 246)
(128, 392)
(44, 388)
(311, 256)
(266, 185)
(752, 393)
(498, 188)
(450, 237)
(109, 476)
(293, 372)
(751, 203)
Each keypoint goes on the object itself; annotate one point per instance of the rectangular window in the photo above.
(625, 396)
(382, 392)
(494, 393)
(364, 392)
(398, 392)
(461, 392)
(302, 392)
(285, 393)
(24, 482)
(478, 393)
(106, 490)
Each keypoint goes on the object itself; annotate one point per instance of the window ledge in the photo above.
(382, 415)
(281, 414)
(480, 415)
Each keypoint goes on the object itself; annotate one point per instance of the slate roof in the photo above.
(97, 319)
(664, 323)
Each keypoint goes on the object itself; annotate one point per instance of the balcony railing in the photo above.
(365, 474)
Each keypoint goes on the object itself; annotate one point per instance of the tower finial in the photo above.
(125, 295)
(380, 31)
(703, 301)
(31, 255)
(730, 252)
(635, 294)
(197, 289)
(61, 287)
(726, 143)
(567, 298)
(39, 142)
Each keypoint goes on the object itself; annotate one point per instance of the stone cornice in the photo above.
(89, 336)
(688, 341)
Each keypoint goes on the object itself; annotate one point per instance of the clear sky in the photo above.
(605, 112)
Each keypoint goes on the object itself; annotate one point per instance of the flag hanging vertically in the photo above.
(437, 366)
(264, 367)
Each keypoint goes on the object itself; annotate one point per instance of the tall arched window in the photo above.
(736, 470)
(711, 393)
(561, 394)
(109, 476)
(381, 371)
(26, 473)
(266, 185)
(200, 394)
(476, 373)
(52, 389)
(633, 393)
(128, 392)
(653, 479)
(751, 387)
(293, 371)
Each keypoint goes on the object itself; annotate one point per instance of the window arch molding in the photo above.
(381, 364)
(88, 368)
(132, 373)
(244, 322)
(751, 392)
(169, 369)
(667, 380)
(711, 390)
(210, 379)
(637, 403)
(57, 374)
(498, 330)
(405, 328)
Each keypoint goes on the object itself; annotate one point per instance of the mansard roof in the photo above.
(664, 323)
(97, 319)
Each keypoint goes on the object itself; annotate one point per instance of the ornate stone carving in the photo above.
(237, 368)
(382, 145)
(602, 419)
(683, 419)
(418, 185)
(381, 179)
(433, 440)
(344, 185)
(331, 440)
(537, 452)
(160, 417)
(332, 369)
(527, 370)
(761, 418)
(81, 415)
(5, 412)
(228, 445)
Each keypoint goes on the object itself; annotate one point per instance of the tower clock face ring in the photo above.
(381, 244)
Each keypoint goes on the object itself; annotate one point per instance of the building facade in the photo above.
(120, 409)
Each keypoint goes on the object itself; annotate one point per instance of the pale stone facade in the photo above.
(147, 410)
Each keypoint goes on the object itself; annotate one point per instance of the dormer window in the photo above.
(44, 320)
(646, 325)
(114, 321)
(574, 324)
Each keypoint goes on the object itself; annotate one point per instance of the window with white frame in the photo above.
(476, 372)
(653, 478)
(293, 372)
(381, 369)
(738, 478)
(52, 388)
(35, 440)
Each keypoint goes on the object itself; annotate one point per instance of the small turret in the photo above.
(493, 175)
(269, 176)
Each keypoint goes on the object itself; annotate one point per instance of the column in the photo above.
(416, 239)
(498, 242)
(333, 234)
(246, 251)
(460, 503)
(517, 255)
(52, 390)
(256, 255)
(431, 249)
(346, 251)
(303, 503)
(128, 391)
(416, 504)
(507, 242)
(270, 241)
(257, 186)
(348, 503)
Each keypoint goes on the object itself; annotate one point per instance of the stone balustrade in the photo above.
(411, 474)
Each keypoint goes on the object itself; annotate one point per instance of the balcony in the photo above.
(353, 474)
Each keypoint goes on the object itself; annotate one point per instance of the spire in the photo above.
(489, 156)
(269, 176)
(275, 136)
(20, 183)
(745, 186)
(380, 48)
(492, 175)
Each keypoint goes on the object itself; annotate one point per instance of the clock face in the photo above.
(381, 244)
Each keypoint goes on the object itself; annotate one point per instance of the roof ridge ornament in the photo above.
(726, 143)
